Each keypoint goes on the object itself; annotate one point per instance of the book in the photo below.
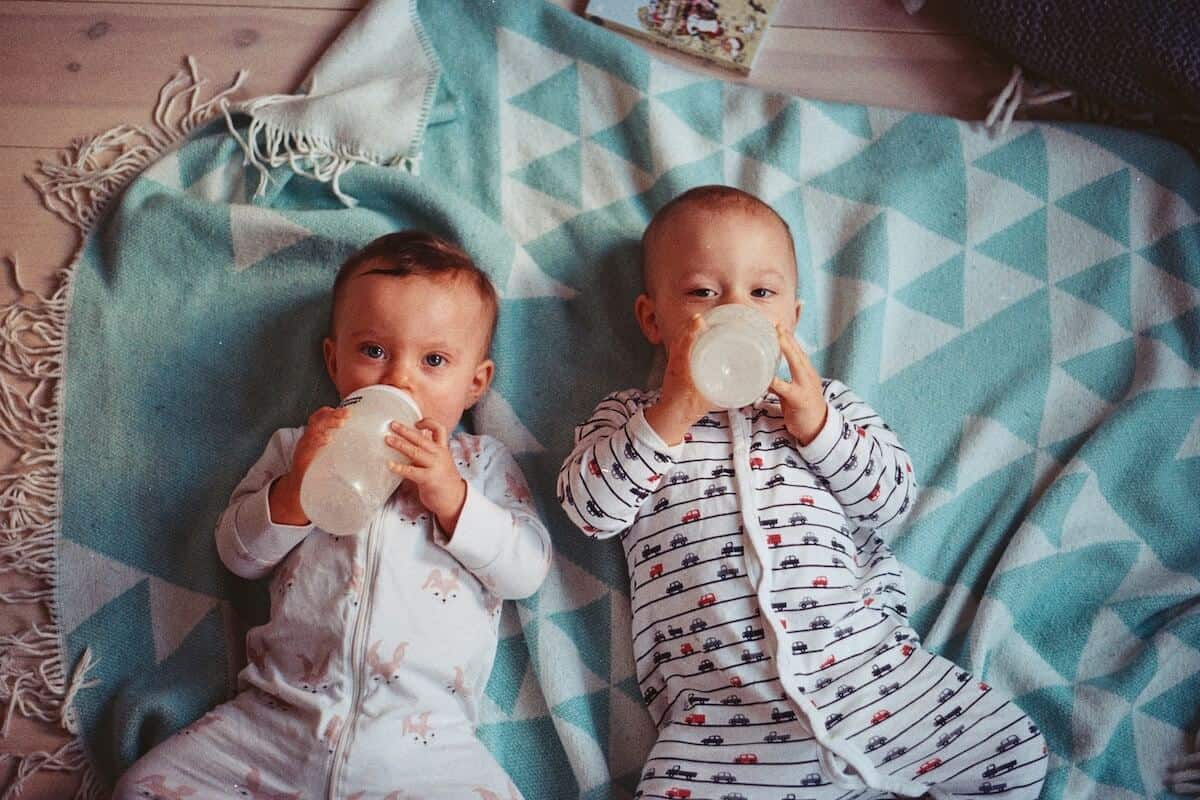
(727, 33)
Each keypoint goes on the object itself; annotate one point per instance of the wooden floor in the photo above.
(77, 67)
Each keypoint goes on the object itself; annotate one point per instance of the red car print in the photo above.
(590, 529)
(675, 793)
(735, 681)
(654, 477)
(687, 437)
(774, 539)
(756, 463)
(862, 432)
(983, 687)
(686, 649)
(880, 715)
(907, 649)
(694, 719)
(594, 468)
(820, 580)
(806, 500)
(868, 601)
(874, 495)
(746, 758)
(656, 570)
(931, 764)
(707, 600)
(829, 662)
(692, 515)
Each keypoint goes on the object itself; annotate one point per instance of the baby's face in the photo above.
(702, 259)
(425, 335)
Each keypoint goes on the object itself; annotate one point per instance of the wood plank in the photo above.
(70, 69)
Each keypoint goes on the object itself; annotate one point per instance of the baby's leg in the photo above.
(251, 747)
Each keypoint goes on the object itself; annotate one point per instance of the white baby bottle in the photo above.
(349, 480)
(734, 360)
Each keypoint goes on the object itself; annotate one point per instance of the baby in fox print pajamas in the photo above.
(366, 679)
(769, 618)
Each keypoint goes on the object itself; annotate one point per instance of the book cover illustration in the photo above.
(725, 32)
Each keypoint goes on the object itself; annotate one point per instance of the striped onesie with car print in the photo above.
(366, 680)
(769, 621)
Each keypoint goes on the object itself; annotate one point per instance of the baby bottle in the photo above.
(349, 480)
(734, 360)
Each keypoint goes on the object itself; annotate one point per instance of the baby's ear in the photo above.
(643, 309)
(481, 380)
(329, 350)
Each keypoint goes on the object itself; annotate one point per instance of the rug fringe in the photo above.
(87, 176)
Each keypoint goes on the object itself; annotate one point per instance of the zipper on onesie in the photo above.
(357, 655)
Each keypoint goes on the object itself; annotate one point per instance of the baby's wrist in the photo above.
(670, 421)
(283, 500)
(449, 507)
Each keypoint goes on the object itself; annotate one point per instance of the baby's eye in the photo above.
(702, 293)
(371, 351)
(761, 292)
(435, 359)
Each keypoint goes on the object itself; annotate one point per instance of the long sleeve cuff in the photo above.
(640, 430)
(477, 540)
(259, 541)
(828, 439)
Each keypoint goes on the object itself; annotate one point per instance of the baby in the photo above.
(769, 620)
(366, 681)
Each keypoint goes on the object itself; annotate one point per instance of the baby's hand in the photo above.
(804, 406)
(681, 403)
(439, 485)
(284, 495)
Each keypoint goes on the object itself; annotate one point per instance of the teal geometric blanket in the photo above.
(1022, 309)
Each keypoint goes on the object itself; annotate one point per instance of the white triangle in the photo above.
(1071, 408)
(165, 171)
(89, 580)
(747, 110)
(1073, 245)
(989, 287)
(843, 300)
(586, 755)
(608, 178)
(832, 221)
(922, 591)
(258, 232)
(174, 612)
(1029, 544)
(824, 144)
(1108, 647)
(1190, 446)
(510, 621)
(225, 183)
(563, 671)
(523, 63)
(978, 140)
(917, 335)
(529, 213)
(531, 701)
(674, 142)
(994, 204)
(1155, 210)
(1078, 327)
(526, 137)
(1159, 744)
(1178, 661)
(526, 279)
(1157, 296)
(914, 250)
(884, 119)
(985, 448)
(666, 77)
(1013, 665)
(929, 499)
(1096, 713)
(604, 99)
(1149, 577)
(757, 177)
(495, 417)
(1159, 367)
(1074, 162)
(1080, 786)
(1092, 520)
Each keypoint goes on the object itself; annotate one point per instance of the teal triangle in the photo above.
(1153, 155)
(588, 628)
(1051, 708)
(1134, 676)
(1103, 204)
(777, 142)
(1178, 253)
(1105, 285)
(1059, 631)
(1021, 245)
(1182, 335)
(1065, 449)
(590, 713)
(630, 138)
(508, 672)
(939, 292)
(864, 256)
(630, 687)
(603, 791)
(1107, 371)
(1146, 616)
(1177, 705)
(1114, 766)
(1055, 785)
(532, 753)
(555, 99)
(558, 174)
(700, 105)
(1054, 505)
(851, 118)
(1022, 161)
(917, 168)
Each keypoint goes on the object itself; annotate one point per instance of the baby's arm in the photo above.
(614, 467)
(868, 471)
(249, 542)
(498, 535)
